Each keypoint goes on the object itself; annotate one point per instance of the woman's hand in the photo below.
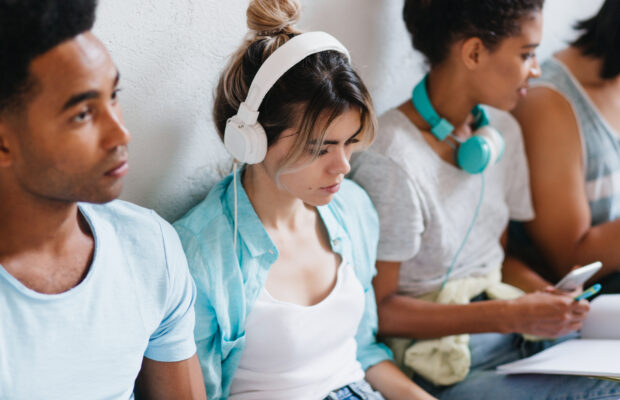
(548, 313)
(388, 380)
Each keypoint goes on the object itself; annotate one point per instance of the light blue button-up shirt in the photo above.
(229, 280)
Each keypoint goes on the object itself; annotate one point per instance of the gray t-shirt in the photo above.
(426, 205)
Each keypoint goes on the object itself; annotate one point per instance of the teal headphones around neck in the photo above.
(474, 155)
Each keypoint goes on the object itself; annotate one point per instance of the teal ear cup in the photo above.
(485, 147)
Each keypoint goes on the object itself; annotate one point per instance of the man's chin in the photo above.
(103, 196)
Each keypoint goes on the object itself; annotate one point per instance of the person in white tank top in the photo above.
(285, 308)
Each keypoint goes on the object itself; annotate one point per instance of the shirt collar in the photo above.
(335, 229)
(251, 230)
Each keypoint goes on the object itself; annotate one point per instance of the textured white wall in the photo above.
(171, 52)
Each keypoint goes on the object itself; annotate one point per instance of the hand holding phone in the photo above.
(578, 277)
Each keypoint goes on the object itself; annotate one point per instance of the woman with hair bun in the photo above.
(445, 175)
(283, 260)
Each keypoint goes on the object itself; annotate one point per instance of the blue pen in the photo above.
(594, 289)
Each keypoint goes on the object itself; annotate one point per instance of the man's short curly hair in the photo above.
(435, 25)
(29, 28)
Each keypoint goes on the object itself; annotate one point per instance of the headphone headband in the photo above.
(440, 127)
(279, 62)
(244, 137)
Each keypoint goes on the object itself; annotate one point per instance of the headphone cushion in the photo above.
(245, 142)
(495, 140)
(473, 155)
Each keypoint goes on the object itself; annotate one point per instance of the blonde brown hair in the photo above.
(308, 97)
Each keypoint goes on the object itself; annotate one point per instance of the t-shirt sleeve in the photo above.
(518, 195)
(173, 340)
(397, 202)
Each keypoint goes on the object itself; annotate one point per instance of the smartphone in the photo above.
(578, 277)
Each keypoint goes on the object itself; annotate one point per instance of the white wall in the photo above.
(170, 54)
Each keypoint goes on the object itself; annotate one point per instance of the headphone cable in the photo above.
(471, 227)
(235, 162)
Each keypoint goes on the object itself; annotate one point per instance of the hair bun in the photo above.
(272, 17)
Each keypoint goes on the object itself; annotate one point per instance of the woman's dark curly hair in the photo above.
(601, 38)
(435, 25)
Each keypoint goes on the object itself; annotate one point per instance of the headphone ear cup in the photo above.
(473, 155)
(495, 141)
(246, 143)
(484, 148)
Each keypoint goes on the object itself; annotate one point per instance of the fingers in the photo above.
(572, 294)
(550, 314)
(581, 307)
(555, 331)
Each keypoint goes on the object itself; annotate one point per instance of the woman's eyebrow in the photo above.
(336, 142)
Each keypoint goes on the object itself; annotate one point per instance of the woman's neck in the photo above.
(449, 96)
(586, 69)
(447, 91)
(276, 208)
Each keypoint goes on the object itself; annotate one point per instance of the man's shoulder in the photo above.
(117, 209)
(123, 217)
(140, 231)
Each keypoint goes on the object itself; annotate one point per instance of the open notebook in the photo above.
(596, 353)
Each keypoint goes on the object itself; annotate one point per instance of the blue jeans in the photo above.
(489, 350)
(355, 391)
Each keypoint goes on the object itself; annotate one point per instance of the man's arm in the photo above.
(181, 380)
(562, 229)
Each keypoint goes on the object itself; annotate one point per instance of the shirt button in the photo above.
(336, 242)
(270, 251)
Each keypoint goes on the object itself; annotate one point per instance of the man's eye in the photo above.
(82, 116)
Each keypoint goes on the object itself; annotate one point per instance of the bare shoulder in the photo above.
(545, 113)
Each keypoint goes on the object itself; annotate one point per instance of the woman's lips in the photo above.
(332, 189)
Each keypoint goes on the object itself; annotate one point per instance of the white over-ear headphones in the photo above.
(244, 137)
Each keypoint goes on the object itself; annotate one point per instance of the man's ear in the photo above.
(6, 156)
(472, 52)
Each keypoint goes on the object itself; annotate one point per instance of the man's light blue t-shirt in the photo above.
(230, 279)
(89, 342)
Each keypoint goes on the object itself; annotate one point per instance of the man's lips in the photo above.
(119, 170)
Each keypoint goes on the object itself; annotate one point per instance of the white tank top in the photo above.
(301, 352)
